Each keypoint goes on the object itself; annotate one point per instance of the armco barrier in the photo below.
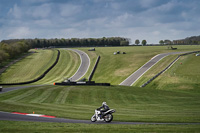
(40, 77)
(95, 66)
(167, 68)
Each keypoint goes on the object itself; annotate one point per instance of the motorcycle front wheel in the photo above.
(108, 118)
(93, 118)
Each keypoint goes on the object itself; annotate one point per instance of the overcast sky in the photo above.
(152, 20)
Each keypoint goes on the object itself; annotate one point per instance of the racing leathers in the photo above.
(103, 109)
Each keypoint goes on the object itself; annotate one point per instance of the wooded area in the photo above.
(10, 51)
(73, 42)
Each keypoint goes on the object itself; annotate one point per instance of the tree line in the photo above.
(14, 47)
(194, 40)
(10, 51)
(74, 42)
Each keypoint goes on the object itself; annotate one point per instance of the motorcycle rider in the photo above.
(103, 109)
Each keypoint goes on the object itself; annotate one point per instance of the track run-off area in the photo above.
(83, 68)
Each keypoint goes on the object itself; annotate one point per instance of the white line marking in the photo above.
(147, 70)
(138, 69)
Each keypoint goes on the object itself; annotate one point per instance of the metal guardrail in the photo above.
(95, 67)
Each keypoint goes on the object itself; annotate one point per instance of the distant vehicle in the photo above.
(92, 49)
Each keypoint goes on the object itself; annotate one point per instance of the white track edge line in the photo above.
(138, 69)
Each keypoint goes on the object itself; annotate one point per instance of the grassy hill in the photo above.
(116, 68)
(30, 67)
(34, 65)
(112, 68)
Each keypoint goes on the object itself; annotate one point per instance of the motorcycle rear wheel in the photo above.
(108, 118)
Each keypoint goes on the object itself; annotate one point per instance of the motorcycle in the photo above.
(106, 116)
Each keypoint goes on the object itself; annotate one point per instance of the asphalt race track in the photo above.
(83, 68)
(18, 117)
(16, 88)
(137, 74)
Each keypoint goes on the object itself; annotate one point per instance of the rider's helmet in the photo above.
(104, 103)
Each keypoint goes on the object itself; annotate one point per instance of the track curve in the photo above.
(18, 117)
(84, 66)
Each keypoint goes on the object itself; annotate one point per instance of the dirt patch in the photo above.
(122, 72)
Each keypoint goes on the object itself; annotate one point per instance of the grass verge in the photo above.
(184, 74)
(24, 127)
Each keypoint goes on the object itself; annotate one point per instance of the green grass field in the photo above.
(35, 127)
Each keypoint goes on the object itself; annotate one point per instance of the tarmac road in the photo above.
(16, 88)
(83, 68)
(18, 117)
(142, 70)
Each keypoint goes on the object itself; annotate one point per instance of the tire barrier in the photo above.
(90, 83)
(40, 77)
(1, 88)
(167, 67)
(95, 67)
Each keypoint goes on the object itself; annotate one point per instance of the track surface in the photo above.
(18, 117)
(137, 74)
(16, 88)
(83, 68)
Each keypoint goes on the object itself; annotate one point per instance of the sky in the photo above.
(152, 20)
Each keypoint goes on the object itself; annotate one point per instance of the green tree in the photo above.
(167, 42)
(161, 42)
(137, 42)
(144, 42)
(123, 43)
(3, 56)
